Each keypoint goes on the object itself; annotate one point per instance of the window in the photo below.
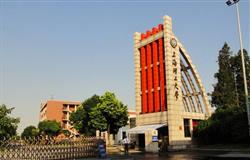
(132, 122)
(187, 128)
(195, 123)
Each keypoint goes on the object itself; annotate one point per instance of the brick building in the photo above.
(59, 111)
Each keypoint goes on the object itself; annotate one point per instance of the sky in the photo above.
(72, 49)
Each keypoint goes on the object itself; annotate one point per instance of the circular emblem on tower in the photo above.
(173, 42)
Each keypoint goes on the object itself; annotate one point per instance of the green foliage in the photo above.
(97, 120)
(229, 89)
(224, 126)
(81, 118)
(100, 113)
(30, 132)
(229, 123)
(8, 125)
(237, 66)
(113, 111)
(224, 90)
(50, 128)
(66, 133)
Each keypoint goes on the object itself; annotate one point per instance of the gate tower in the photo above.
(170, 98)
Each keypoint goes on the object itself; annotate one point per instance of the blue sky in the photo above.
(74, 49)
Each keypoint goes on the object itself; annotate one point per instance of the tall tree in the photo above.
(238, 72)
(50, 128)
(81, 118)
(224, 94)
(8, 124)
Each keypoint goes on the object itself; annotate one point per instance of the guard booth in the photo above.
(170, 98)
(149, 137)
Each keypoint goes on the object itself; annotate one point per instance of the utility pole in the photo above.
(229, 3)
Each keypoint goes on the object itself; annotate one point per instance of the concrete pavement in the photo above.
(115, 153)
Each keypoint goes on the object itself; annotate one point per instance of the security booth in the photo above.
(148, 137)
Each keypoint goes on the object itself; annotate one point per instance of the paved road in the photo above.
(184, 155)
(115, 153)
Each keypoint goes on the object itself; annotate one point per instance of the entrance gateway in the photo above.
(170, 98)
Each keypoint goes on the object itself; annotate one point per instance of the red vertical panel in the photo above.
(143, 80)
(150, 96)
(162, 74)
(156, 78)
(160, 27)
(150, 86)
(150, 77)
(156, 75)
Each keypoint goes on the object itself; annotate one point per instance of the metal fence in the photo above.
(48, 149)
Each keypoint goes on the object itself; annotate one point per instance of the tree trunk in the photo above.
(108, 131)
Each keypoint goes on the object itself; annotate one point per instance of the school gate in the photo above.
(170, 98)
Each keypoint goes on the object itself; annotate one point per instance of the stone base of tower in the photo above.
(177, 147)
(180, 145)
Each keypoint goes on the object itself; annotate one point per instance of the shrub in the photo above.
(224, 126)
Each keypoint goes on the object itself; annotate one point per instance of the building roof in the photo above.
(143, 128)
(63, 102)
(54, 102)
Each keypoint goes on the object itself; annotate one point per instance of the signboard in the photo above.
(175, 72)
(154, 138)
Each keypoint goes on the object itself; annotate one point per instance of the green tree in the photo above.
(100, 113)
(237, 66)
(97, 120)
(8, 125)
(228, 124)
(113, 112)
(81, 118)
(30, 132)
(224, 94)
(50, 128)
(224, 126)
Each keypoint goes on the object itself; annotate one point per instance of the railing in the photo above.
(65, 109)
(44, 148)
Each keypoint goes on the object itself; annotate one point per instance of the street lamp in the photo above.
(229, 3)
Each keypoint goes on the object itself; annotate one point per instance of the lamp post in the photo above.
(229, 3)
